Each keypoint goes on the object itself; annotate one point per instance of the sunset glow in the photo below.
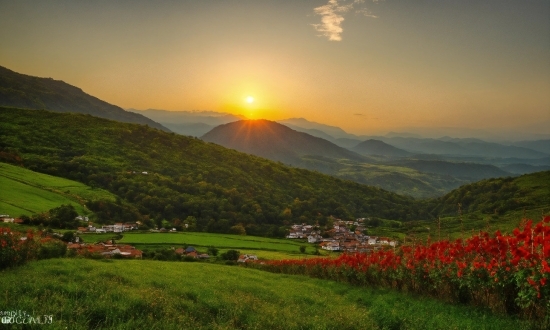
(365, 66)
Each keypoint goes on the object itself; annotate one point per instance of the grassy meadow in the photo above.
(25, 192)
(142, 294)
(220, 241)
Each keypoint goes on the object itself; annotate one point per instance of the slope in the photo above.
(146, 294)
(274, 141)
(186, 179)
(25, 192)
(23, 91)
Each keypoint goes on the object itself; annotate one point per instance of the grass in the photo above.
(220, 241)
(25, 192)
(141, 294)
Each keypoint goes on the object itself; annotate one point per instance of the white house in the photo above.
(331, 246)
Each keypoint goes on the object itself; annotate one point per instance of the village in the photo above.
(344, 236)
(341, 237)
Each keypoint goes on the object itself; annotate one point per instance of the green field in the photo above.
(25, 192)
(220, 241)
(141, 294)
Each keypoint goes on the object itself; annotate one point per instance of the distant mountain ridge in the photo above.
(193, 123)
(377, 147)
(274, 141)
(29, 92)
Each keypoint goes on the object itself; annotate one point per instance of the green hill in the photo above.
(210, 187)
(142, 294)
(25, 192)
(28, 92)
(497, 196)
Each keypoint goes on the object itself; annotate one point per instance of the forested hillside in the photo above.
(187, 181)
(497, 196)
(28, 92)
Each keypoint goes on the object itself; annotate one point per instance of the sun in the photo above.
(249, 99)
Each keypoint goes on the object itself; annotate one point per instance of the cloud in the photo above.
(332, 16)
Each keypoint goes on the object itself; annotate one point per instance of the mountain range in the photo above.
(28, 92)
(405, 163)
(191, 123)
(275, 141)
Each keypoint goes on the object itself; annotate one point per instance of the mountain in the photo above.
(538, 145)
(525, 168)
(460, 170)
(460, 147)
(274, 141)
(182, 179)
(193, 123)
(377, 147)
(192, 129)
(302, 125)
(28, 92)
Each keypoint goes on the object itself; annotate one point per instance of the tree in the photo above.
(63, 216)
(213, 251)
(68, 236)
(231, 255)
(237, 230)
(302, 248)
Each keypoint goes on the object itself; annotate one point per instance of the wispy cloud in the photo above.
(332, 16)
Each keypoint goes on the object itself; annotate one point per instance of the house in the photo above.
(247, 258)
(179, 251)
(372, 240)
(314, 238)
(190, 249)
(331, 246)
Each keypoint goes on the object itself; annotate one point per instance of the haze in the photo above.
(365, 66)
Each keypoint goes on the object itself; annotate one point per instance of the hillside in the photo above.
(304, 125)
(25, 192)
(497, 196)
(144, 294)
(186, 179)
(28, 92)
(460, 170)
(274, 141)
(377, 147)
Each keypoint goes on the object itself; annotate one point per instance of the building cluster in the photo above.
(106, 249)
(6, 218)
(191, 252)
(116, 228)
(341, 237)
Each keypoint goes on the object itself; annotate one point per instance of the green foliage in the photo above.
(68, 236)
(213, 251)
(496, 196)
(230, 255)
(187, 178)
(62, 217)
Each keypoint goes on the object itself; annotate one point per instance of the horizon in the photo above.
(367, 67)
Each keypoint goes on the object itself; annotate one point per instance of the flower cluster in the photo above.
(16, 248)
(507, 273)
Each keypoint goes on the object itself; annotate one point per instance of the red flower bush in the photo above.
(507, 273)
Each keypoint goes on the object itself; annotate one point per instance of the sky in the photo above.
(365, 66)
